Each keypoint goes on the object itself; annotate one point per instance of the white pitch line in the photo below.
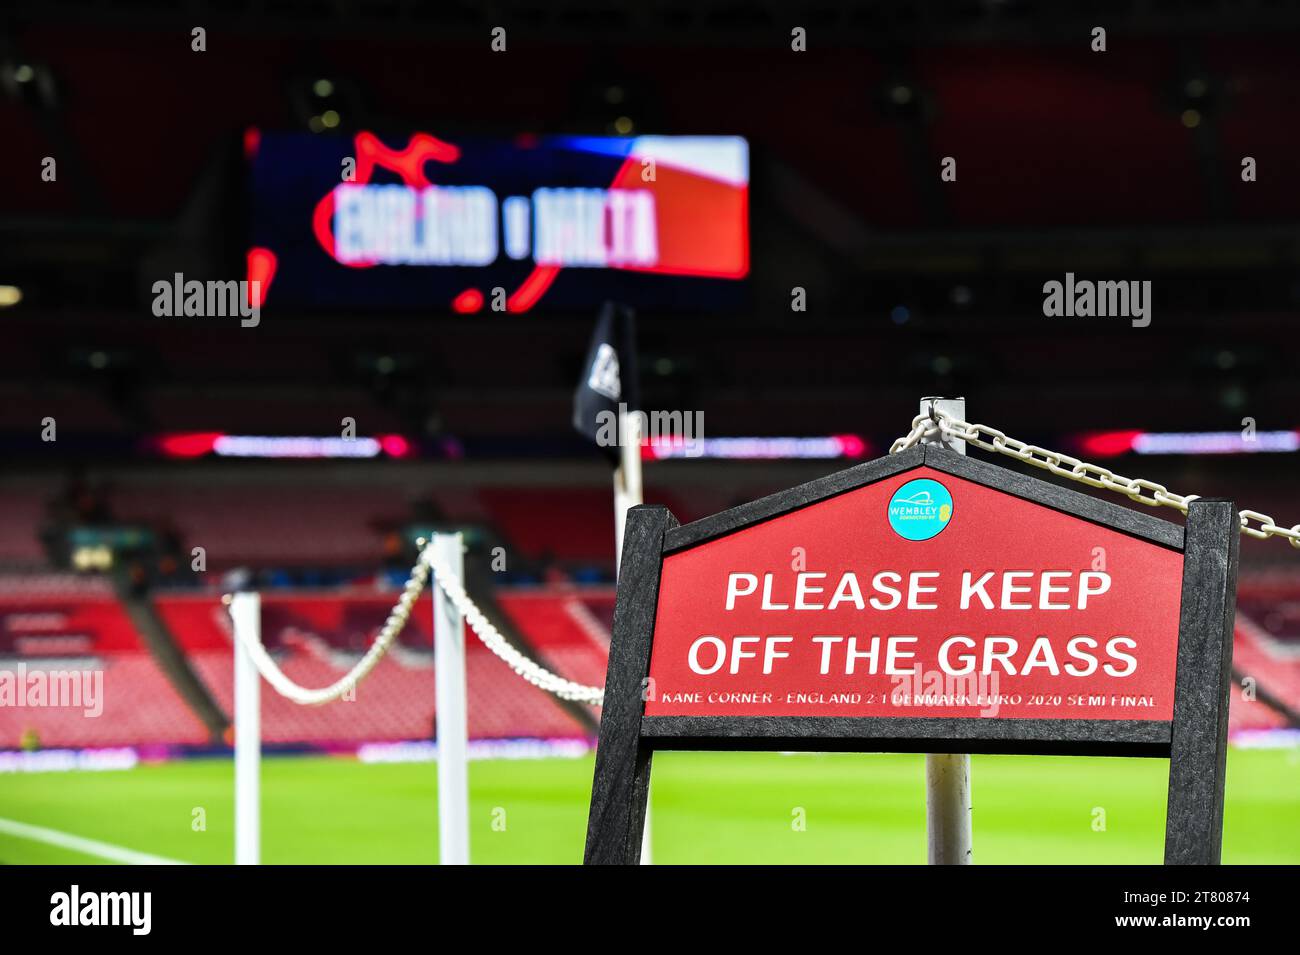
(89, 847)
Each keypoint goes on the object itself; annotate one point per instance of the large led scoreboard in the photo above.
(469, 225)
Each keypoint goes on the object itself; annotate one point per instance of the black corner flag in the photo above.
(609, 378)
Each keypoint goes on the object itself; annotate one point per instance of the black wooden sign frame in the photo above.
(1194, 742)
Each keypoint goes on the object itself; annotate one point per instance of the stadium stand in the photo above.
(21, 517)
(268, 523)
(1266, 650)
(530, 518)
(571, 630)
(59, 624)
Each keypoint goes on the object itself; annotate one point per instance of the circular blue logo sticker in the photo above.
(920, 509)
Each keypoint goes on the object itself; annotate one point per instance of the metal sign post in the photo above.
(947, 775)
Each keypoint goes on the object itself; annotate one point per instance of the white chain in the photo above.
(1144, 492)
(491, 637)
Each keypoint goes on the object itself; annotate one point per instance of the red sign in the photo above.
(921, 595)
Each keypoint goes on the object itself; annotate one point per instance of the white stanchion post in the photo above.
(947, 775)
(627, 494)
(246, 612)
(450, 711)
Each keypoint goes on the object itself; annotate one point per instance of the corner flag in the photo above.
(609, 376)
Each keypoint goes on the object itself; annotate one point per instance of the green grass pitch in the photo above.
(707, 808)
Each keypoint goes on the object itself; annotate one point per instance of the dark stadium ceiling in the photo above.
(723, 22)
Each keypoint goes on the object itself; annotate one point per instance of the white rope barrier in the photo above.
(397, 618)
(483, 628)
(491, 637)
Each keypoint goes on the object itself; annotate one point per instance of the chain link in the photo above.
(941, 424)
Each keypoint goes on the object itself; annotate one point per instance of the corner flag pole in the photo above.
(627, 477)
(947, 775)
(246, 612)
(627, 494)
